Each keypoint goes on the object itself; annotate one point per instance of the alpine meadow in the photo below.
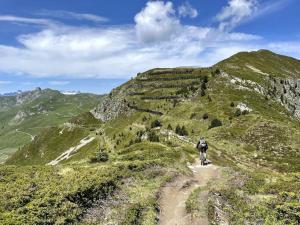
(203, 130)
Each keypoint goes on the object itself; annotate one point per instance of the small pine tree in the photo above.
(184, 132)
(205, 79)
(205, 116)
(202, 93)
(232, 104)
(169, 127)
(215, 123)
(177, 129)
(156, 123)
(237, 113)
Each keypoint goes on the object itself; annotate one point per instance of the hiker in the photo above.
(202, 147)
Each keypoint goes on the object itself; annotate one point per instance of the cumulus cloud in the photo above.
(156, 22)
(157, 39)
(235, 12)
(107, 52)
(186, 10)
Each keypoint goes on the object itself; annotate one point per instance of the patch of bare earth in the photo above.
(174, 195)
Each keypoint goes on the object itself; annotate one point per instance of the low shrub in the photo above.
(100, 156)
(237, 113)
(205, 116)
(181, 131)
(156, 123)
(215, 123)
(193, 115)
(153, 137)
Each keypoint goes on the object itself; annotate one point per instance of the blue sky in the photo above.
(93, 46)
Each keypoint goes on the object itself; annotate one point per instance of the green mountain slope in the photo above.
(247, 107)
(23, 116)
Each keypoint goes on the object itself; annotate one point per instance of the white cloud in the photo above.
(186, 10)
(73, 15)
(17, 19)
(156, 22)
(59, 82)
(3, 82)
(241, 11)
(235, 12)
(289, 48)
(158, 39)
(110, 52)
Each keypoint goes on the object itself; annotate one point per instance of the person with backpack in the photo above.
(202, 146)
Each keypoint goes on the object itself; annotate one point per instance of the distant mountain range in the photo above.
(19, 92)
(10, 93)
(24, 114)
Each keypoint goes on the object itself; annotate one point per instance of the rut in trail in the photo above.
(174, 195)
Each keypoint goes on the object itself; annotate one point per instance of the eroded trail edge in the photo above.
(174, 195)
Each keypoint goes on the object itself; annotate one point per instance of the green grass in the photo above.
(48, 146)
(58, 108)
(193, 204)
(260, 148)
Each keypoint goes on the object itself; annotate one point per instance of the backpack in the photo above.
(202, 145)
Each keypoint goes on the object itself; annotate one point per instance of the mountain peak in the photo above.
(265, 61)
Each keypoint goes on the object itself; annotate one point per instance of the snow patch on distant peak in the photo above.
(70, 92)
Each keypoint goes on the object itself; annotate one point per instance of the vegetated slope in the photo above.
(150, 125)
(26, 114)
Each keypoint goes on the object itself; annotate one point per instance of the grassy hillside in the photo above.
(151, 124)
(23, 116)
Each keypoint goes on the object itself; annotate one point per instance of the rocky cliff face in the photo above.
(28, 96)
(287, 92)
(111, 107)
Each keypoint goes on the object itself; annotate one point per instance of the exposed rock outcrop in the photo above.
(111, 107)
(216, 209)
(28, 96)
(19, 117)
(287, 92)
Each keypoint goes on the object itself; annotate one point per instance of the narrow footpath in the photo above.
(174, 195)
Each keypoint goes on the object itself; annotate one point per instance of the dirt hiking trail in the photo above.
(174, 195)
